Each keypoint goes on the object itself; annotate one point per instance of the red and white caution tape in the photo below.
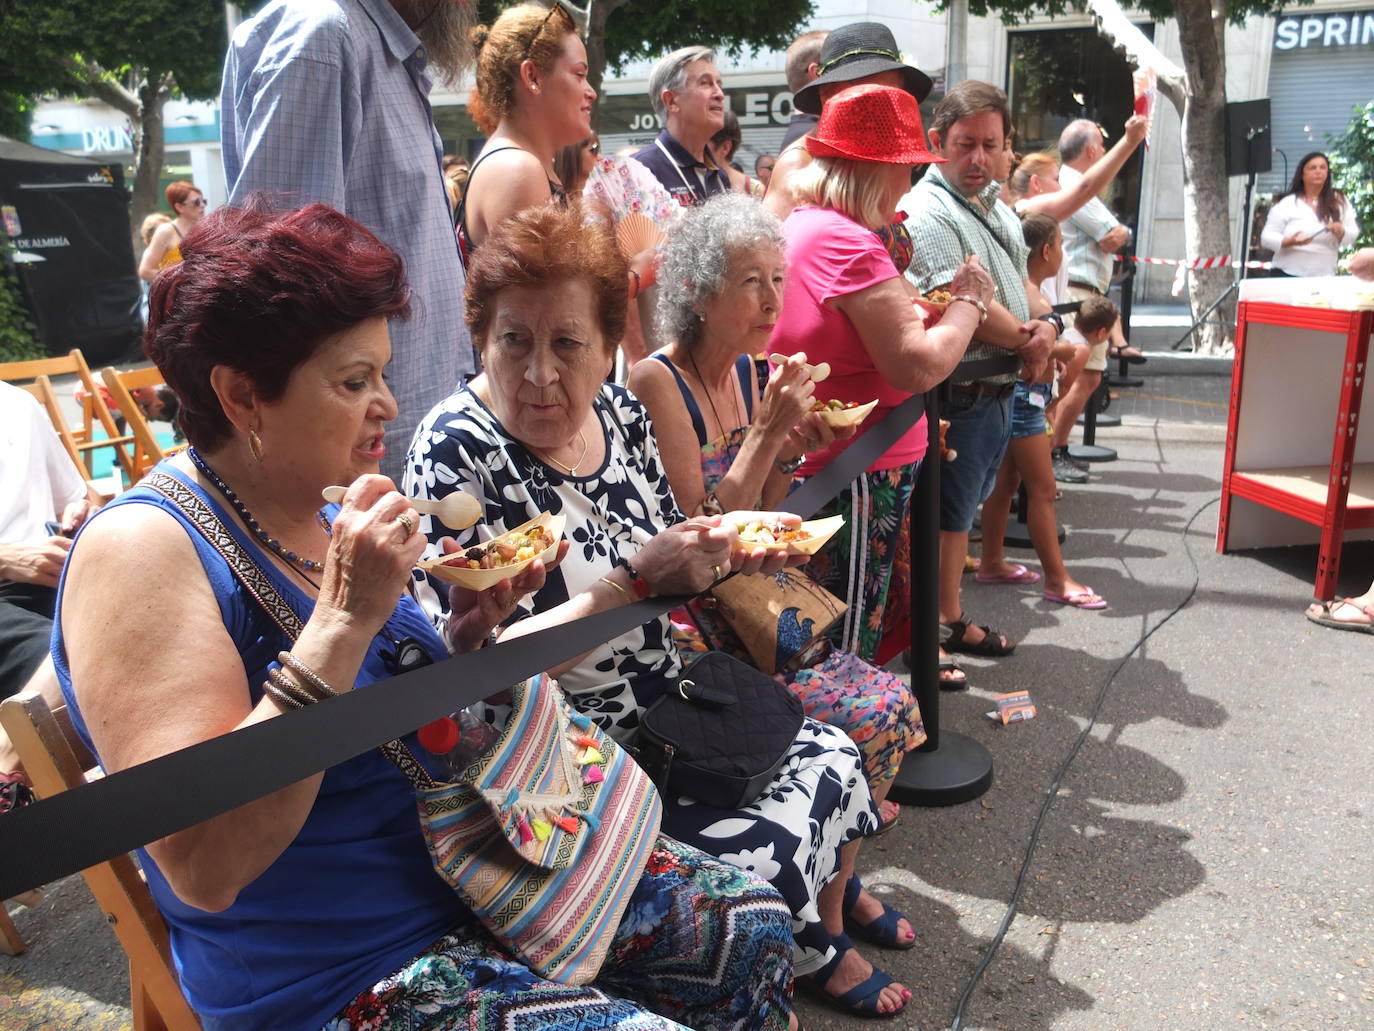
(1184, 264)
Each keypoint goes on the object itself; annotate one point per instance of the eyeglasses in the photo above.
(199, 202)
(594, 147)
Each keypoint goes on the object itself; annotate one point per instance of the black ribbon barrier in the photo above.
(79, 828)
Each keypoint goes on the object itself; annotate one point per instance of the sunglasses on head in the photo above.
(539, 31)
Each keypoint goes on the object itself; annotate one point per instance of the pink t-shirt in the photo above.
(828, 256)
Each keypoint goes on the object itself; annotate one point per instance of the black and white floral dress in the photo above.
(818, 800)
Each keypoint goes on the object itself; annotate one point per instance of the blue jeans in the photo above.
(979, 428)
(1027, 417)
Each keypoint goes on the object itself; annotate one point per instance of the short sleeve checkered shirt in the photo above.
(945, 229)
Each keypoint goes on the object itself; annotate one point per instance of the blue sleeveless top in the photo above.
(743, 366)
(355, 895)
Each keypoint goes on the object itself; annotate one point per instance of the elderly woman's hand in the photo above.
(813, 433)
(473, 615)
(973, 280)
(376, 542)
(787, 399)
(688, 557)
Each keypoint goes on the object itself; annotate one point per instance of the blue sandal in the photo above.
(862, 999)
(882, 931)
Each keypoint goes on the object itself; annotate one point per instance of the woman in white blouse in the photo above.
(1308, 226)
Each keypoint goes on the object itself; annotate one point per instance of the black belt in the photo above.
(1086, 286)
(997, 390)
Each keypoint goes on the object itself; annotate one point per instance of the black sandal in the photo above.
(948, 665)
(993, 645)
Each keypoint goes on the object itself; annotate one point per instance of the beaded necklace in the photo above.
(269, 542)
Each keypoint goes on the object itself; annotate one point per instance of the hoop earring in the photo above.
(255, 445)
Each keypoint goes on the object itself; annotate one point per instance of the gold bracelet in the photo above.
(608, 580)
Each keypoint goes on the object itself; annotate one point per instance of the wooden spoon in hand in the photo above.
(457, 511)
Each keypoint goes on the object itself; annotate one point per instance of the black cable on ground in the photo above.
(1052, 792)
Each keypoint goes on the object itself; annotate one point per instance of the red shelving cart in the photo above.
(1296, 471)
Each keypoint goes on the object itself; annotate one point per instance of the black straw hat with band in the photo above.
(858, 51)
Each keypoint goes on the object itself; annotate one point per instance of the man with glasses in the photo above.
(687, 95)
(328, 100)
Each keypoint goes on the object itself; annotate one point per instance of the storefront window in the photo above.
(1058, 75)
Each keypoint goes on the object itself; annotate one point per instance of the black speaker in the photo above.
(1249, 148)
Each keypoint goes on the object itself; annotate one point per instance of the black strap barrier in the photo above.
(77, 829)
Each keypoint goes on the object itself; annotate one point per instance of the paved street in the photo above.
(1206, 864)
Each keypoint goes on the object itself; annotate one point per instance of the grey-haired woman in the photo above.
(724, 447)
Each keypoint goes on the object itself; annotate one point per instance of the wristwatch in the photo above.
(788, 468)
(982, 308)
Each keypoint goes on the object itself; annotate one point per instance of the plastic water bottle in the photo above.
(457, 740)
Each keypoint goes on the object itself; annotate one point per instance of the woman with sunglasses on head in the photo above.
(532, 98)
(165, 247)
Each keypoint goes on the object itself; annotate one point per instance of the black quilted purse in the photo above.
(719, 733)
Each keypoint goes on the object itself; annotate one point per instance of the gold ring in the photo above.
(406, 524)
(715, 570)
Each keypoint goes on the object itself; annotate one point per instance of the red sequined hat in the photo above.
(872, 123)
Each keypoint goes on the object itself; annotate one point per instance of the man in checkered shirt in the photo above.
(329, 101)
(951, 213)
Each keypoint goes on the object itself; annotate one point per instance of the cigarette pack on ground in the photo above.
(1013, 707)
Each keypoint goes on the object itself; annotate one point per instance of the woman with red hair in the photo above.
(164, 248)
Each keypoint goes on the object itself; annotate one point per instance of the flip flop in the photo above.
(952, 683)
(1084, 599)
(992, 645)
(1130, 353)
(1321, 613)
(881, 931)
(971, 564)
(862, 999)
(1019, 575)
(888, 821)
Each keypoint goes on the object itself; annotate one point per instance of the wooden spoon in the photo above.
(818, 372)
(457, 511)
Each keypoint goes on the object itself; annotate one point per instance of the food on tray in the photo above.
(940, 297)
(770, 533)
(507, 550)
(833, 405)
(766, 530)
(485, 565)
(843, 413)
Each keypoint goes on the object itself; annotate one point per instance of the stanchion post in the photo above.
(949, 768)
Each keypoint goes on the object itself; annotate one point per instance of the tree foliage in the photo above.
(1352, 170)
(61, 46)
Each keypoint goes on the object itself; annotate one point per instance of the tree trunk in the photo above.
(1206, 207)
(598, 12)
(144, 111)
(149, 155)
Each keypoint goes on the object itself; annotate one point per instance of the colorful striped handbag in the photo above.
(546, 835)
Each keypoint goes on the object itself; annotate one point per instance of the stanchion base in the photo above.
(958, 771)
(1127, 381)
(1092, 453)
(1018, 535)
(1104, 421)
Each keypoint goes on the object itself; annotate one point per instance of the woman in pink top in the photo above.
(846, 303)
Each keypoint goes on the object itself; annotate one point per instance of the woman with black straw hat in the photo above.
(864, 52)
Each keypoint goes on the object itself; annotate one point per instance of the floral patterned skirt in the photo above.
(702, 944)
(861, 562)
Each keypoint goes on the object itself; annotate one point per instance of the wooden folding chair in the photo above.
(93, 408)
(56, 759)
(147, 451)
(42, 389)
